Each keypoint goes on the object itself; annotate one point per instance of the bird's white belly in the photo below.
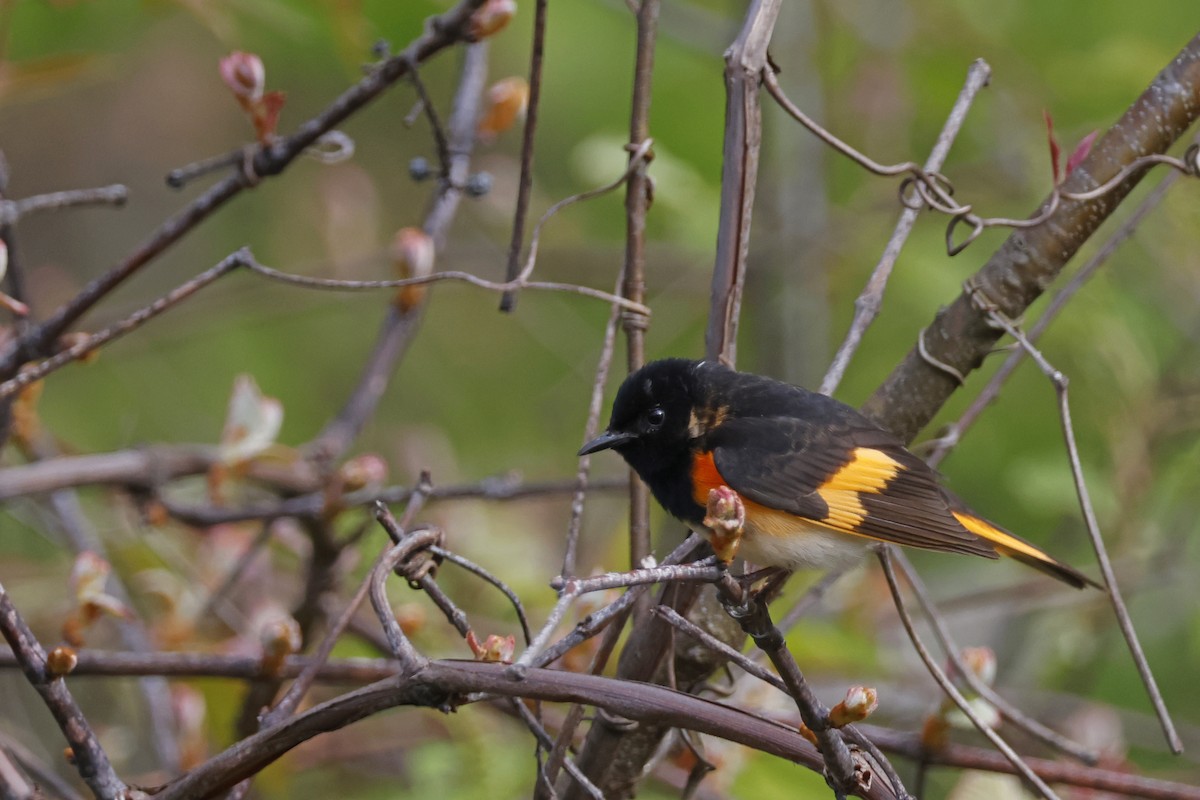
(771, 544)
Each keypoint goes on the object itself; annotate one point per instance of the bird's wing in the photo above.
(848, 475)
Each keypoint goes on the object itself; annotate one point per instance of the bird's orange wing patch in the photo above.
(867, 472)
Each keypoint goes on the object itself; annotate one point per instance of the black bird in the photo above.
(819, 481)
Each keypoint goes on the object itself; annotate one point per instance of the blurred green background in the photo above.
(102, 92)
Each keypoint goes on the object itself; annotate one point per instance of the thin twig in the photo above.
(440, 138)
(1030, 259)
(750, 667)
(590, 428)
(132, 322)
(181, 176)
(571, 589)
(13, 210)
(1119, 781)
(90, 759)
(638, 197)
(608, 643)
(308, 505)
(402, 322)
(771, 82)
(48, 779)
(440, 32)
(505, 589)
(80, 535)
(1059, 381)
(1010, 713)
(295, 693)
(410, 660)
(1023, 769)
(755, 619)
(991, 391)
(597, 620)
(521, 281)
(805, 603)
(508, 301)
(868, 303)
(705, 571)
(546, 743)
(221, 593)
(448, 275)
(926, 188)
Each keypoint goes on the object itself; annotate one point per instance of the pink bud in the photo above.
(363, 471)
(243, 73)
(725, 510)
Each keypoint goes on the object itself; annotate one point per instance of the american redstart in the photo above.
(819, 482)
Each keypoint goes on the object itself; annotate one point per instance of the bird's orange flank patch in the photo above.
(759, 518)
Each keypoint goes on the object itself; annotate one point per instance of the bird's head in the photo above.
(654, 415)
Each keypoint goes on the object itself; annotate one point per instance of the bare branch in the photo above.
(947, 686)
(1116, 781)
(639, 194)
(1059, 380)
(521, 281)
(868, 303)
(1011, 713)
(90, 759)
(745, 64)
(990, 392)
(440, 32)
(12, 210)
(508, 301)
(440, 681)
(132, 322)
(401, 324)
(410, 660)
(1029, 260)
(590, 428)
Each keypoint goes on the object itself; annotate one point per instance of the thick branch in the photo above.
(1017, 274)
(440, 681)
(744, 63)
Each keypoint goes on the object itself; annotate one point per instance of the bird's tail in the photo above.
(1013, 546)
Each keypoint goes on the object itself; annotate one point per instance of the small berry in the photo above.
(479, 184)
(418, 169)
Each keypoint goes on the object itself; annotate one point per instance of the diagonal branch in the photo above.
(961, 335)
(90, 759)
(440, 32)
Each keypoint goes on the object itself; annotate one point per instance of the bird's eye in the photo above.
(655, 418)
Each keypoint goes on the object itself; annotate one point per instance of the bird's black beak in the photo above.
(606, 441)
